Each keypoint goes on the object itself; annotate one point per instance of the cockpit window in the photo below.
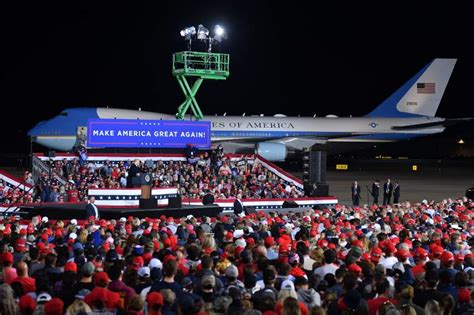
(64, 114)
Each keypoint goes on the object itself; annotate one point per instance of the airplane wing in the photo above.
(444, 123)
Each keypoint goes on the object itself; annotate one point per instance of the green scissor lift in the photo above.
(200, 65)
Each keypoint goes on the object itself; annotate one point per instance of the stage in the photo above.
(68, 211)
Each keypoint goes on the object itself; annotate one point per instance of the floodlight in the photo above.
(219, 33)
(188, 32)
(202, 32)
(218, 30)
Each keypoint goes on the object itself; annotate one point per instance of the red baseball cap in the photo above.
(355, 269)
(464, 295)
(403, 254)
(421, 253)
(27, 304)
(7, 258)
(459, 258)
(366, 257)
(20, 245)
(447, 257)
(154, 299)
(70, 266)
(376, 254)
(53, 307)
(269, 241)
(101, 279)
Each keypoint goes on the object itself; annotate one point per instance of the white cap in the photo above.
(238, 233)
(155, 263)
(287, 285)
(144, 272)
(43, 297)
(73, 235)
(74, 221)
(241, 242)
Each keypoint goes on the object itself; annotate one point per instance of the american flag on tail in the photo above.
(426, 88)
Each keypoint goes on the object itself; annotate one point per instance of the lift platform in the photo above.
(197, 66)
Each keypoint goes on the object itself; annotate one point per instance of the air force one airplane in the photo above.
(407, 113)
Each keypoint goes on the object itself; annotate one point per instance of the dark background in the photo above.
(290, 57)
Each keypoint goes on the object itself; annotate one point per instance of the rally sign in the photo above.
(130, 133)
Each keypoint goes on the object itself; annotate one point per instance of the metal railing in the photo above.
(40, 167)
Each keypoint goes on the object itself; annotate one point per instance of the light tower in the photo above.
(197, 66)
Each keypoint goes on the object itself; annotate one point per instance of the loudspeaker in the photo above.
(314, 167)
(208, 199)
(51, 154)
(289, 204)
(150, 203)
(174, 202)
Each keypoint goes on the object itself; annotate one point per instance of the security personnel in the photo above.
(396, 193)
(387, 192)
(355, 190)
(375, 191)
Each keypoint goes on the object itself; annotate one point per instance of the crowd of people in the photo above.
(223, 179)
(401, 259)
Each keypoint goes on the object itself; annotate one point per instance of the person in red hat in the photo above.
(28, 284)
(459, 262)
(54, 307)
(154, 302)
(465, 302)
(390, 258)
(27, 304)
(355, 269)
(113, 301)
(376, 255)
(9, 273)
(447, 263)
(436, 253)
(420, 260)
(70, 266)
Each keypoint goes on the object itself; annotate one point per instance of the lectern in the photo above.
(146, 199)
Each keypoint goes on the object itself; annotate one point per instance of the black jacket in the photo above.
(90, 211)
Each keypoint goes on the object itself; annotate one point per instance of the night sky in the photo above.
(291, 57)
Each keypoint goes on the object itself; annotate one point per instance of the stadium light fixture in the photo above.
(202, 32)
(188, 33)
(218, 30)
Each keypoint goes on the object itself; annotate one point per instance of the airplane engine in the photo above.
(271, 151)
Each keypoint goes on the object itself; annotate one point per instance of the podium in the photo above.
(146, 200)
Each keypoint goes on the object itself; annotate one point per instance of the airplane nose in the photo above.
(36, 130)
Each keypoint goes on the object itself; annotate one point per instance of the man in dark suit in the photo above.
(91, 209)
(396, 193)
(355, 190)
(133, 172)
(375, 192)
(387, 192)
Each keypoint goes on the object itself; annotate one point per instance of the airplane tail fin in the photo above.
(421, 95)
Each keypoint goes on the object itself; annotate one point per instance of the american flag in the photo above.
(426, 88)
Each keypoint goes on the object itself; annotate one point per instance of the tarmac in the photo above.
(429, 183)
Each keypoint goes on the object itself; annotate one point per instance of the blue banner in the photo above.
(131, 133)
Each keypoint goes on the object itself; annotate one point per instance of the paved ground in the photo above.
(433, 184)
